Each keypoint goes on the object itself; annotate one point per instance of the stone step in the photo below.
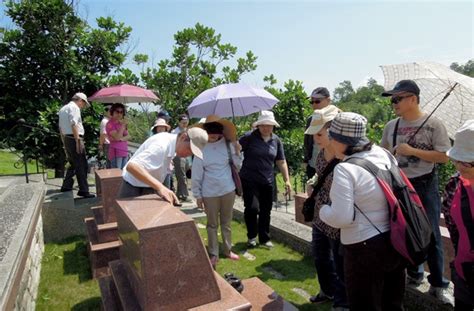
(107, 232)
(127, 299)
(101, 254)
(263, 297)
(108, 293)
(98, 213)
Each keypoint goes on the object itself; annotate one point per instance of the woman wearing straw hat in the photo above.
(213, 186)
(373, 271)
(262, 150)
(160, 126)
(458, 205)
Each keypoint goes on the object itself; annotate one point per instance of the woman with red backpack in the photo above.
(458, 209)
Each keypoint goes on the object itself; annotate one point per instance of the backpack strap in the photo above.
(395, 133)
(327, 170)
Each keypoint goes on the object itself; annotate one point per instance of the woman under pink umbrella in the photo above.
(118, 136)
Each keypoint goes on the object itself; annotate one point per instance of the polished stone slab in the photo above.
(108, 182)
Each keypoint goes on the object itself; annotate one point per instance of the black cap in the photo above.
(182, 117)
(409, 86)
(320, 92)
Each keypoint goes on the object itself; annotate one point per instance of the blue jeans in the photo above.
(329, 267)
(427, 189)
(118, 162)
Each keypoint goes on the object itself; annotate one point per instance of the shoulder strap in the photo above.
(327, 170)
(395, 133)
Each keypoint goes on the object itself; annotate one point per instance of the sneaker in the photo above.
(442, 295)
(320, 298)
(86, 195)
(252, 242)
(214, 260)
(233, 256)
(414, 281)
(268, 244)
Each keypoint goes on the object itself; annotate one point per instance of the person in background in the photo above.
(213, 185)
(72, 136)
(148, 167)
(103, 139)
(181, 164)
(118, 136)
(458, 205)
(418, 147)
(374, 272)
(319, 98)
(262, 150)
(161, 126)
(326, 243)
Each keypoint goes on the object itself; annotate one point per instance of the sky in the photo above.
(320, 43)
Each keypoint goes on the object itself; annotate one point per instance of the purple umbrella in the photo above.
(231, 100)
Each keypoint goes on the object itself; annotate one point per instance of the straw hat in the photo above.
(463, 148)
(230, 132)
(160, 122)
(266, 118)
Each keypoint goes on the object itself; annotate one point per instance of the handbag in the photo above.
(235, 173)
(308, 205)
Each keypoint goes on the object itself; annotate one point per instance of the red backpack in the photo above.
(410, 229)
(462, 212)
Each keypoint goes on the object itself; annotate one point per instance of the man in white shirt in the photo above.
(72, 135)
(147, 169)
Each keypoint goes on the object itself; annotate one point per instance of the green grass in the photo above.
(8, 161)
(66, 282)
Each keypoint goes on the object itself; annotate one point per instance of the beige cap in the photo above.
(321, 117)
(82, 96)
(198, 139)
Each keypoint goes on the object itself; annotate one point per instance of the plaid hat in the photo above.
(320, 117)
(409, 86)
(349, 128)
(320, 92)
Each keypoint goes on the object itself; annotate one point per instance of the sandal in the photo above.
(233, 256)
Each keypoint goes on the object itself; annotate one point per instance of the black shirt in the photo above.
(260, 157)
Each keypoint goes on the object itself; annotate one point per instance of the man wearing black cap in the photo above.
(420, 142)
(319, 99)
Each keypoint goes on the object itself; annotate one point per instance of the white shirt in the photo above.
(353, 184)
(70, 115)
(211, 176)
(155, 155)
(103, 130)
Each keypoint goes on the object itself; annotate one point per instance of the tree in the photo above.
(466, 69)
(51, 54)
(344, 91)
(198, 62)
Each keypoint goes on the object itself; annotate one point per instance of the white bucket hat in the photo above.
(463, 148)
(198, 141)
(266, 118)
(320, 117)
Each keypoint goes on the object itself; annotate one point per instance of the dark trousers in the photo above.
(374, 274)
(180, 172)
(427, 189)
(126, 190)
(463, 294)
(77, 166)
(258, 207)
(329, 265)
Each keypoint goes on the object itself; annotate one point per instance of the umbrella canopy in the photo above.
(123, 93)
(435, 81)
(231, 100)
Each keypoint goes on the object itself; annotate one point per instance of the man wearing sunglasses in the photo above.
(319, 99)
(72, 135)
(419, 143)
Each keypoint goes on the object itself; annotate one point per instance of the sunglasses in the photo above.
(118, 111)
(316, 101)
(396, 99)
(465, 164)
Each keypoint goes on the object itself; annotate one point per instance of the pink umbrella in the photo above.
(123, 93)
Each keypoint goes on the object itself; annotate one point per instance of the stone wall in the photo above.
(21, 245)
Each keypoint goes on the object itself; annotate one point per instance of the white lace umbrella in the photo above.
(435, 82)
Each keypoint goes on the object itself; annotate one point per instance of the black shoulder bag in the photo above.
(308, 205)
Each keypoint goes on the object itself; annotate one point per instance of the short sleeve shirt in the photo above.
(260, 157)
(432, 136)
(70, 115)
(155, 156)
(103, 130)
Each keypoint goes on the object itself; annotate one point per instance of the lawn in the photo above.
(8, 161)
(66, 282)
